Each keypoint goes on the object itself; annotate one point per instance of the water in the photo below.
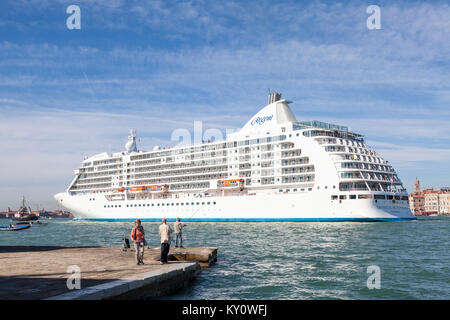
(290, 260)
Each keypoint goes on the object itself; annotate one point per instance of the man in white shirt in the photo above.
(164, 232)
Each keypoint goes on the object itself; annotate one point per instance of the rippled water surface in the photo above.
(290, 260)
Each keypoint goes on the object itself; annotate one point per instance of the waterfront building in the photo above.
(429, 201)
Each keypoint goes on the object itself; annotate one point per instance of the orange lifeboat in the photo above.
(121, 189)
(138, 189)
(158, 187)
(230, 183)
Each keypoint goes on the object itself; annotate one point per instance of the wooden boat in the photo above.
(14, 228)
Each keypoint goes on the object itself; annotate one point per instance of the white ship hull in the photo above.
(310, 206)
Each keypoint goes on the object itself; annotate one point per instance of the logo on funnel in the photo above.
(261, 120)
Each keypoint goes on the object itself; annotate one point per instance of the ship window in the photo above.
(281, 190)
(182, 203)
(187, 203)
(364, 196)
(309, 189)
(209, 202)
(203, 203)
(178, 204)
(153, 204)
(334, 197)
(173, 203)
(295, 190)
(158, 204)
(404, 197)
(104, 206)
(214, 202)
(352, 196)
(342, 197)
(379, 196)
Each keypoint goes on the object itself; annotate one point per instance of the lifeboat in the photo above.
(158, 188)
(136, 189)
(230, 183)
(121, 189)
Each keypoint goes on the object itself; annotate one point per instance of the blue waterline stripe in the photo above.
(255, 219)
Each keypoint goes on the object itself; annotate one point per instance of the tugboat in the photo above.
(24, 213)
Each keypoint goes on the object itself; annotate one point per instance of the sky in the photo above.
(157, 66)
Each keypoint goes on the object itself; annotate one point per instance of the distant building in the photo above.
(429, 201)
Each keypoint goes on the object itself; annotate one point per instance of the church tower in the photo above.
(417, 186)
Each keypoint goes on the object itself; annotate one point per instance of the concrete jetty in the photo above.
(38, 272)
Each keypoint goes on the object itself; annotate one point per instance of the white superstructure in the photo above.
(274, 169)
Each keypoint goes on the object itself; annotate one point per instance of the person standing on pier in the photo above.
(178, 227)
(138, 237)
(164, 232)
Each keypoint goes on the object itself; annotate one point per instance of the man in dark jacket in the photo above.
(138, 237)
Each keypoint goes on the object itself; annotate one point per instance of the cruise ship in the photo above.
(273, 169)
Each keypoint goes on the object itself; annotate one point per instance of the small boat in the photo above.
(158, 188)
(24, 223)
(14, 228)
(24, 213)
(135, 189)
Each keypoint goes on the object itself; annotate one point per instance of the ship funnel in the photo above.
(274, 97)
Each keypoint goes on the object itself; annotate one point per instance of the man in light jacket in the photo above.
(164, 232)
(178, 227)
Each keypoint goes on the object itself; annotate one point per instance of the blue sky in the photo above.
(160, 65)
